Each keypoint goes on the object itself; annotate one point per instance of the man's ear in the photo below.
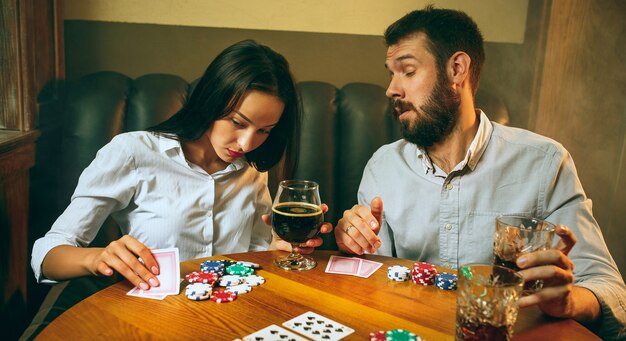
(459, 68)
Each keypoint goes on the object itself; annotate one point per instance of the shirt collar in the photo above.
(474, 152)
(173, 149)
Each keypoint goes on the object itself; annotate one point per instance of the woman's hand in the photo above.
(123, 255)
(304, 248)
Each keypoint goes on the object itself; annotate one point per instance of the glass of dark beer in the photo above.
(296, 218)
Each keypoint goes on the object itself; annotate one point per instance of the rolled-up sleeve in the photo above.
(594, 268)
(105, 186)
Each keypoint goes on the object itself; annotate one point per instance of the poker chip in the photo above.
(240, 270)
(446, 281)
(254, 280)
(249, 264)
(423, 273)
(198, 291)
(214, 266)
(201, 277)
(401, 335)
(398, 273)
(231, 280)
(223, 296)
(240, 288)
(380, 335)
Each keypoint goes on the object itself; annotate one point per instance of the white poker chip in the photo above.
(198, 291)
(231, 280)
(254, 280)
(249, 264)
(240, 288)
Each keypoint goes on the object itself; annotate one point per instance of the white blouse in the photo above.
(155, 195)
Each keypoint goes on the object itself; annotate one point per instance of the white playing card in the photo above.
(169, 272)
(273, 333)
(318, 327)
(343, 265)
(367, 268)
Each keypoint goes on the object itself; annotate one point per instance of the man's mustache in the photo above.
(401, 106)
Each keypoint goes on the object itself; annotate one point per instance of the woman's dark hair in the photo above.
(448, 31)
(242, 67)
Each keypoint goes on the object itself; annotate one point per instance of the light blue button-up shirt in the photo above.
(145, 183)
(449, 219)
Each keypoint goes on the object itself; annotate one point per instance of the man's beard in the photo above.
(435, 119)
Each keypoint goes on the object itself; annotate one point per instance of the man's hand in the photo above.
(357, 231)
(559, 297)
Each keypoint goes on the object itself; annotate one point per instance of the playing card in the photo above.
(169, 272)
(367, 268)
(273, 333)
(138, 293)
(343, 265)
(318, 327)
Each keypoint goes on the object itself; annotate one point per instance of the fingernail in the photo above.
(377, 244)
(522, 261)
(154, 282)
(144, 286)
(155, 270)
(373, 224)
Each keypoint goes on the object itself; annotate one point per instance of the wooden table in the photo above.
(365, 304)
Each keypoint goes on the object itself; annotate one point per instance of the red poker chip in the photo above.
(202, 277)
(223, 296)
(380, 335)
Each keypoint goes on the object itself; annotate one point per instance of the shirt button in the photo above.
(449, 187)
(449, 226)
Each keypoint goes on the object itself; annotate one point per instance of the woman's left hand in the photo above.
(304, 248)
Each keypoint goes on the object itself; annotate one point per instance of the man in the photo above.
(454, 172)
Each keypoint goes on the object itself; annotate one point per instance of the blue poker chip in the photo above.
(446, 281)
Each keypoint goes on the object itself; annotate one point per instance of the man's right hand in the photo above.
(357, 231)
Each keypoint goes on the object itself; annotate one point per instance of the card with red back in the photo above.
(343, 265)
(169, 272)
(139, 293)
(368, 267)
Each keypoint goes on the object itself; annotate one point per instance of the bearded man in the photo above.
(454, 172)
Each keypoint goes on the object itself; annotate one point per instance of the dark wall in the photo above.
(137, 49)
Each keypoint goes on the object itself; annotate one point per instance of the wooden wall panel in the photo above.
(581, 101)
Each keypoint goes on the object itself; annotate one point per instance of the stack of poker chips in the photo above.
(237, 278)
(198, 291)
(424, 273)
(398, 273)
(446, 281)
(394, 335)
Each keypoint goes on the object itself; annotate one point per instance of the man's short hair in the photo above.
(447, 32)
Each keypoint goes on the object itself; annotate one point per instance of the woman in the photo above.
(195, 181)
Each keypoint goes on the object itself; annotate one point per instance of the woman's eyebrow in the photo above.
(250, 121)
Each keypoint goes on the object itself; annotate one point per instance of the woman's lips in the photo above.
(234, 154)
